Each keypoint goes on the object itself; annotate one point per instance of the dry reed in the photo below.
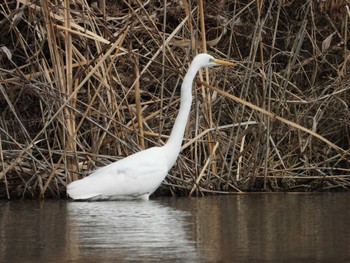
(85, 83)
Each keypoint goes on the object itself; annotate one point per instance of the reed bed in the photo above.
(85, 83)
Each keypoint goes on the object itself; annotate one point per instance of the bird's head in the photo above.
(205, 60)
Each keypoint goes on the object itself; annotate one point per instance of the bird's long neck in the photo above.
(173, 145)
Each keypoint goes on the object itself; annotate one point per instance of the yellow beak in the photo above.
(223, 62)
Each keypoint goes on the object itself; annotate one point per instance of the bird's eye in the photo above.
(211, 60)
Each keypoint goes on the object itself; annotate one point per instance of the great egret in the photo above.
(140, 174)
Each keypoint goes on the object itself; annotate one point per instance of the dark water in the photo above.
(243, 228)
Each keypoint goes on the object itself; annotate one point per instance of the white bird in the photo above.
(140, 174)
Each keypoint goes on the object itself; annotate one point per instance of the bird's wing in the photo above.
(136, 175)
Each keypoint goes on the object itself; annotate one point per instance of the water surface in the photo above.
(239, 228)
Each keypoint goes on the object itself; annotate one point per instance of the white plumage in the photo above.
(140, 174)
(131, 177)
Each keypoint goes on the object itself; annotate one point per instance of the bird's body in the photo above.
(140, 174)
(134, 177)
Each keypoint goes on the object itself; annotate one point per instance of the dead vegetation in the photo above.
(84, 83)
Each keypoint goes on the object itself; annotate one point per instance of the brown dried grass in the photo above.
(84, 85)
